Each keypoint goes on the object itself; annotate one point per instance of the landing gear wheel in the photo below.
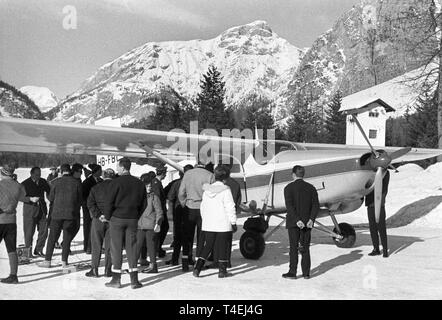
(252, 245)
(349, 236)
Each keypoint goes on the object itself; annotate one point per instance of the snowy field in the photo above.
(413, 270)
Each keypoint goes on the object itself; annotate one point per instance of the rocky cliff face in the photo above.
(251, 58)
(368, 45)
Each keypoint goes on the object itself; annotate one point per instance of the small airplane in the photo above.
(342, 174)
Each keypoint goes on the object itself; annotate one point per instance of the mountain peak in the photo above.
(44, 98)
(258, 27)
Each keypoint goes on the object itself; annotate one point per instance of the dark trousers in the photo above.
(99, 234)
(300, 241)
(191, 221)
(68, 227)
(143, 250)
(148, 238)
(164, 228)
(216, 242)
(87, 224)
(178, 231)
(377, 229)
(123, 233)
(8, 232)
(215, 258)
(31, 223)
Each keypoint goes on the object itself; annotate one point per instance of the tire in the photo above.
(252, 245)
(349, 234)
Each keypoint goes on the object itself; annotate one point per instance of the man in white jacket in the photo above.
(218, 221)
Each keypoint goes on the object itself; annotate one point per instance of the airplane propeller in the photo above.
(379, 162)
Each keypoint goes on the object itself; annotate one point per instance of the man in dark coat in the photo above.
(124, 205)
(34, 214)
(77, 172)
(100, 226)
(66, 196)
(378, 229)
(301, 200)
(158, 190)
(175, 210)
(88, 183)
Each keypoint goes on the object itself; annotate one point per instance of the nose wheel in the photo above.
(348, 236)
(252, 245)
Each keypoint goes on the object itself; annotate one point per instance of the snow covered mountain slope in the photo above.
(251, 58)
(44, 98)
(16, 104)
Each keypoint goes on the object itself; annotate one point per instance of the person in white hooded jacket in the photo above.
(218, 221)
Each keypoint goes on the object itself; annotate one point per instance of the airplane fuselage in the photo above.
(341, 183)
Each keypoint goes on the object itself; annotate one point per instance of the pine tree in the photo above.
(304, 125)
(257, 112)
(172, 111)
(212, 111)
(423, 131)
(335, 121)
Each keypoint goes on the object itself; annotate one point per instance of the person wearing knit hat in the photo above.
(92, 180)
(11, 192)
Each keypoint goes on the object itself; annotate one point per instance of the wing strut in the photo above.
(162, 158)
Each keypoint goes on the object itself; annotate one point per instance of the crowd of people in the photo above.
(122, 212)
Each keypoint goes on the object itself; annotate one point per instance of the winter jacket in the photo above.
(97, 198)
(217, 208)
(36, 190)
(153, 213)
(158, 190)
(301, 201)
(66, 196)
(87, 185)
(126, 198)
(11, 192)
(191, 189)
(172, 195)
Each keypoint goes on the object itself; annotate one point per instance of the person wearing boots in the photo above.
(11, 192)
(157, 188)
(177, 212)
(301, 201)
(125, 203)
(88, 183)
(190, 195)
(34, 214)
(66, 196)
(378, 229)
(149, 225)
(218, 221)
(235, 188)
(100, 226)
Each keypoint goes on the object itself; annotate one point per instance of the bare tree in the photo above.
(428, 81)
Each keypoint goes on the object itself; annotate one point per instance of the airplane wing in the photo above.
(415, 154)
(39, 136)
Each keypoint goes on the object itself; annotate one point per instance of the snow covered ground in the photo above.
(413, 270)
